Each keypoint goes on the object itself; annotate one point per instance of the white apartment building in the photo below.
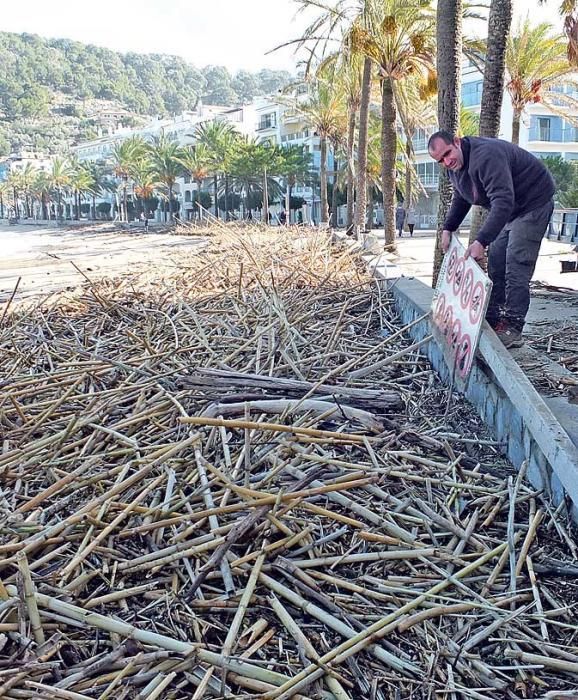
(265, 119)
(542, 133)
(17, 162)
(281, 125)
(180, 128)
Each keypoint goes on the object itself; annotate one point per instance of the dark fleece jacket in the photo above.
(498, 176)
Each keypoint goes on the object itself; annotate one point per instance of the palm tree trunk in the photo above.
(499, 23)
(1, 207)
(334, 195)
(516, 126)
(449, 57)
(350, 155)
(361, 184)
(16, 207)
(215, 193)
(93, 214)
(388, 153)
(265, 208)
(226, 197)
(171, 217)
(408, 168)
(324, 215)
(125, 202)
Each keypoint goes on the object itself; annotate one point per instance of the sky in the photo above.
(234, 33)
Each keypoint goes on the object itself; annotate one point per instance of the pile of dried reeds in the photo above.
(243, 480)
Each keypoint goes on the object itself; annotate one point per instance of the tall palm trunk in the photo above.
(1, 207)
(265, 208)
(334, 194)
(124, 213)
(361, 184)
(324, 216)
(226, 197)
(350, 174)
(449, 56)
(93, 211)
(16, 207)
(516, 126)
(215, 193)
(408, 169)
(171, 217)
(388, 153)
(499, 23)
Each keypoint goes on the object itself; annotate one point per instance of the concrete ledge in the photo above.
(504, 398)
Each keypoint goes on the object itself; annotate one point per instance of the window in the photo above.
(546, 128)
(428, 174)
(267, 121)
(472, 93)
(187, 196)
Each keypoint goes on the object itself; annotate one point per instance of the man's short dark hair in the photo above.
(442, 134)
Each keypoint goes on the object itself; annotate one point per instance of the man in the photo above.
(518, 191)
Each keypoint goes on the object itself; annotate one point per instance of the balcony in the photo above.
(429, 180)
(553, 134)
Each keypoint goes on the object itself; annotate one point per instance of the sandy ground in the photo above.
(48, 259)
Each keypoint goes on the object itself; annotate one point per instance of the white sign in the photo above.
(458, 308)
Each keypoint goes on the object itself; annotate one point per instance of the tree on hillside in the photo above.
(219, 89)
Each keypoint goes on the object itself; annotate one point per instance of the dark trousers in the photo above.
(512, 260)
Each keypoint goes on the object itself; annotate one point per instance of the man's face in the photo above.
(448, 154)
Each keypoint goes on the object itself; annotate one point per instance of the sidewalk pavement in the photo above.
(415, 254)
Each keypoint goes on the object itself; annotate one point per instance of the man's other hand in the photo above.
(476, 250)
(446, 240)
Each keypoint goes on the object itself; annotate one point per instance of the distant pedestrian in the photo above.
(399, 218)
(410, 219)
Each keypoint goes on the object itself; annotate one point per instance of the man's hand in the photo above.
(446, 240)
(476, 250)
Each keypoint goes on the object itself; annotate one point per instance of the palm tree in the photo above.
(324, 110)
(416, 109)
(499, 22)
(196, 161)
(125, 156)
(165, 163)
(59, 178)
(449, 57)
(15, 185)
(42, 190)
(400, 40)
(536, 61)
(346, 68)
(340, 23)
(295, 166)
(219, 137)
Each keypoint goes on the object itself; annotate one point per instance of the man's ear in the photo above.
(457, 141)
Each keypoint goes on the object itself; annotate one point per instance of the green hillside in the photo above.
(55, 92)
